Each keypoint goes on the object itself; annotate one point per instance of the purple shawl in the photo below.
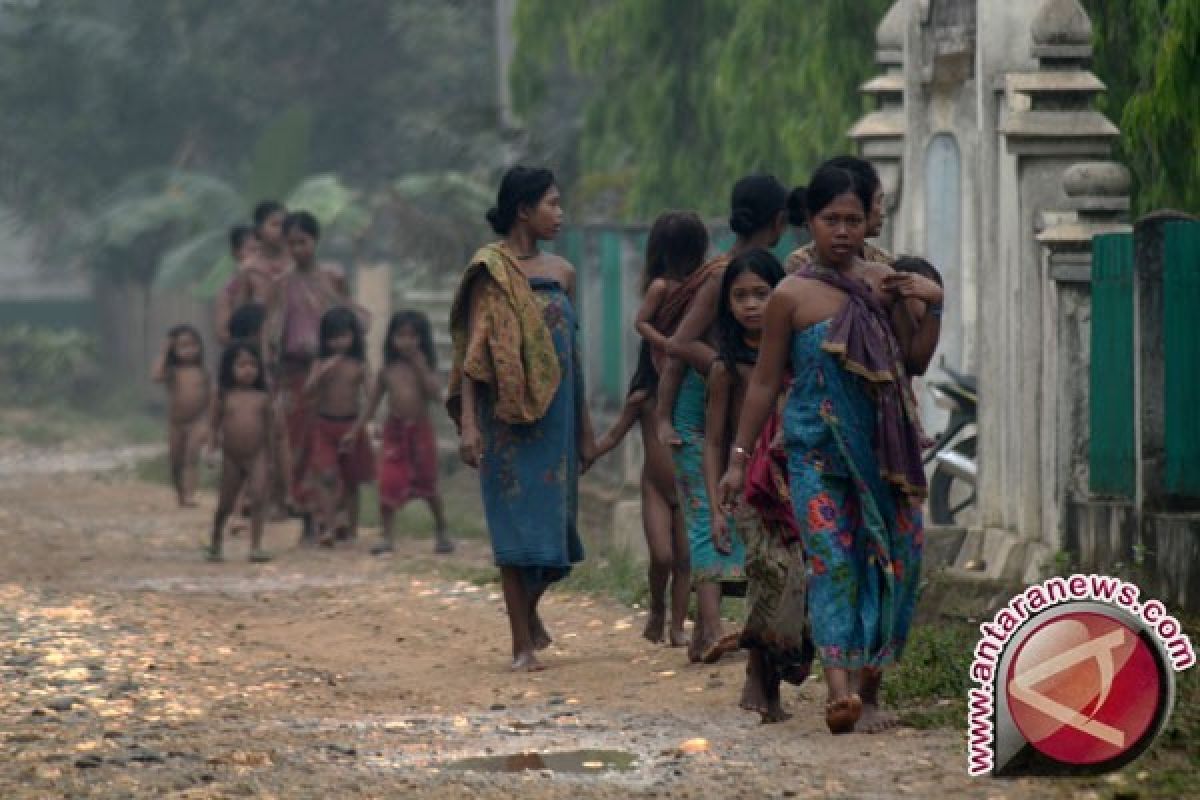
(862, 339)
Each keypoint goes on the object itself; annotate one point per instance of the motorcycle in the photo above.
(953, 454)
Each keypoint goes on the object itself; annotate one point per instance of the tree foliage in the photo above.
(681, 97)
(1148, 54)
(256, 96)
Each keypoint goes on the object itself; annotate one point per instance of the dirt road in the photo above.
(132, 668)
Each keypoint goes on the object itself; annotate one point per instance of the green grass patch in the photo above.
(416, 521)
(615, 574)
(110, 421)
(930, 682)
(158, 470)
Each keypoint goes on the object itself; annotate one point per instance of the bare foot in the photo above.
(541, 637)
(678, 637)
(326, 540)
(527, 662)
(654, 626)
(797, 674)
(259, 556)
(875, 720)
(842, 714)
(754, 696)
(236, 527)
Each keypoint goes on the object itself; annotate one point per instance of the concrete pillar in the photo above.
(1098, 202)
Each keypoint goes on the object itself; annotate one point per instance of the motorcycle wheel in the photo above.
(950, 498)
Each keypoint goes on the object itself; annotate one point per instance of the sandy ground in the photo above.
(132, 668)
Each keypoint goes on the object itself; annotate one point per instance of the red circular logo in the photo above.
(1084, 688)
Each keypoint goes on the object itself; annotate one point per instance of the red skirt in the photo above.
(328, 463)
(408, 466)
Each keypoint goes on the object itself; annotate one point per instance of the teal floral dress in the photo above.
(862, 537)
(529, 474)
(708, 565)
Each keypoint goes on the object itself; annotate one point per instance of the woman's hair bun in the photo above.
(743, 221)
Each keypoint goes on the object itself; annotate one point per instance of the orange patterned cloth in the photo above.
(509, 347)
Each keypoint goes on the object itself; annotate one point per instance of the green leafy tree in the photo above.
(682, 97)
(1148, 54)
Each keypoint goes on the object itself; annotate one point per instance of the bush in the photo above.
(41, 365)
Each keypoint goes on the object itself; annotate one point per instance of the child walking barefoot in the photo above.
(408, 464)
(243, 427)
(338, 462)
(180, 367)
(745, 288)
(675, 249)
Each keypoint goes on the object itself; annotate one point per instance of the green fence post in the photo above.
(1181, 356)
(1111, 442)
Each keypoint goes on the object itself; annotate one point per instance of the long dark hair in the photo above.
(920, 266)
(420, 325)
(676, 246)
(175, 332)
(731, 336)
(225, 378)
(337, 321)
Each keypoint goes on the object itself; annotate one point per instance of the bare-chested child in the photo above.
(243, 428)
(338, 463)
(408, 463)
(675, 249)
(180, 367)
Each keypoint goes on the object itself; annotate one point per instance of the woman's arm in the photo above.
(655, 295)
(762, 390)
(470, 445)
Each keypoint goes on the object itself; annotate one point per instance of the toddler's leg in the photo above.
(176, 453)
(232, 478)
(656, 524)
(350, 500)
(196, 434)
(258, 491)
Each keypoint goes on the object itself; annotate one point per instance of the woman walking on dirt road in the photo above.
(516, 393)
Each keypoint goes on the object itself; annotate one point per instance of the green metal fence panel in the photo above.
(610, 270)
(1111, 446)
(1181, 353)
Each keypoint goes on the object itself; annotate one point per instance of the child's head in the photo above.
(918, 265)
(409, 331)
(302, 232)
(247, 321)
(186, 346)
(745, 289)
(676, 246)
(759, 205)
(269, 216)
(243, 243)
(241, 368)
(341, 335)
